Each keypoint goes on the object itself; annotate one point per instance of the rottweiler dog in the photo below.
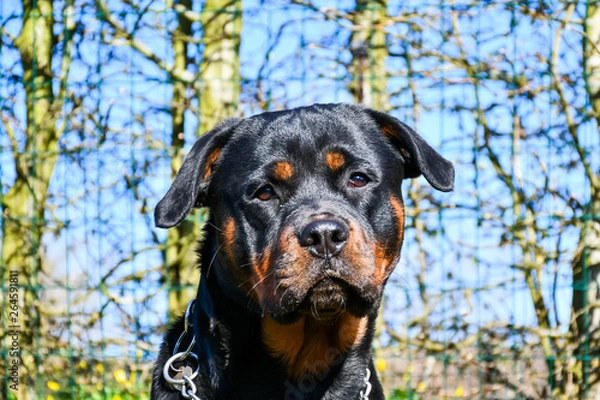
(306, 225)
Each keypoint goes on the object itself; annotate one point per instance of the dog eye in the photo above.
(358, 180)
(265, 193)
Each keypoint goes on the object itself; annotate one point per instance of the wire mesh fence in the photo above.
(496, 294)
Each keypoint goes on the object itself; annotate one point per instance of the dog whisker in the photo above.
(260, 281)
(214, 226)
(212, 261)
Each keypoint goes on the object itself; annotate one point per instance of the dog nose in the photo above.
(324, 238)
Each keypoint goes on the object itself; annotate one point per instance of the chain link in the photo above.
(364, 395)
(189, 393)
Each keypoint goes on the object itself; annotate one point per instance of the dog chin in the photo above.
(326, 301)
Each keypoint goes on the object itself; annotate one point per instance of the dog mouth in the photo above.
(323, 293)
(327, 299)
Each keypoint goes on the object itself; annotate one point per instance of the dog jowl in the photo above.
(306, 225)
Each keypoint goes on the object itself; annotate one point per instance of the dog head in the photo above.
(307, 204)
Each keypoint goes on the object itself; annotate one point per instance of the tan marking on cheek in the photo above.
(260, 266)
(259, 276)
(289, 265)
(296, 257)
(398, 207)
(283, 170)
(353, 251)
(381, 263)
(367, 258)
(334, 160)
(212, 158)
(229, 237)
(380, 256)
(386, 254)
(228, 234)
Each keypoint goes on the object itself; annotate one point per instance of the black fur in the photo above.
(264, 179)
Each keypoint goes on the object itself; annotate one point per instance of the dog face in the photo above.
(307, 205)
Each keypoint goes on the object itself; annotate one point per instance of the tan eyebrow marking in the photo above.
(334, 160)
(283, 170)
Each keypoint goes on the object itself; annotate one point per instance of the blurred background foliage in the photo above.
(497, 293)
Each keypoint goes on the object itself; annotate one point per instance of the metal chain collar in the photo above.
(185, 373)
(364, 395)
(188, 363)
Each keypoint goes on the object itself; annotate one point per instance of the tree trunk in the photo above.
(219, 91)
(24, 204)
(369, 54)
(220, 86)
(586, 266)
(591, 48)
(179, 254)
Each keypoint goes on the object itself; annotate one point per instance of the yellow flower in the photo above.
(132, 376)
(50, 397)
(82, 364)
(120, 376)
(459, 391)
(380, 364)
(116, 397)
(53, 386)
(421, 386)
(100, 368)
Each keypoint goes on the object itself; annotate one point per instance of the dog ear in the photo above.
(420, 157)
(191, 183)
